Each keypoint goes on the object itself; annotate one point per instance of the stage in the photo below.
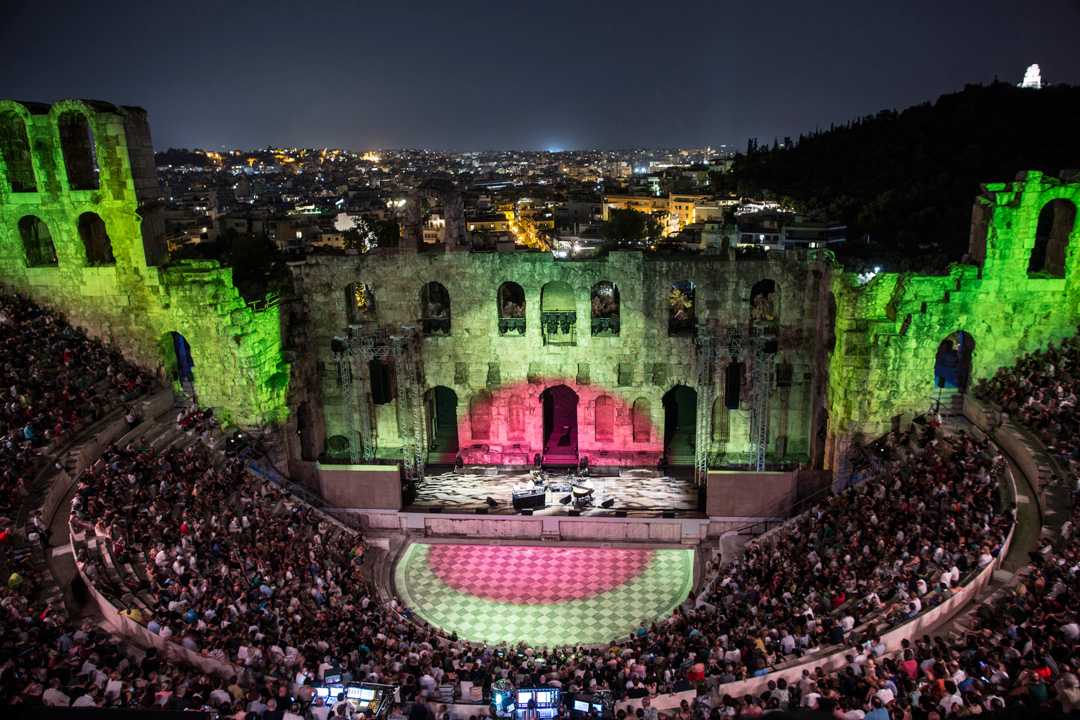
(636, 492)
(542, 595)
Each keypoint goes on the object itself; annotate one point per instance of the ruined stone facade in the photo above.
(496, 364)
(1020, 292)
(81, 231)
(497, 357)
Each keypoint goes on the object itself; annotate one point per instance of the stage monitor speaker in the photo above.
(435, 510)
(566, 500)
(668, 514)
(481, 511)
(491, 502)
(607, 504)
(527, 511)
(620, 513)
(574, 513)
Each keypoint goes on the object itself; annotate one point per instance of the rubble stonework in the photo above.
(852, 355)
(888, 330)
(133, 302)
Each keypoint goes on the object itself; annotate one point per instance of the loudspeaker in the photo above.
(620, 513)
(574, 513)
(669, 514)
(435, 510)
(527, 511)
(609, 503)
(566, 500)
(481, 511)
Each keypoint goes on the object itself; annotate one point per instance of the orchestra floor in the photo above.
(545, 596)
(638, 493)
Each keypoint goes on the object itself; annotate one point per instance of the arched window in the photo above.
(733, 385)
(765, 313)
(511, 302)
(1056, 222)
(435, 309)
(681, 310)
(558, 313)
(79, 150)
(359, 303)
(37, 242)
(604, 420)
(95, 240)
(480, 415)
(605, 309)
(15, 151)
(382, 381)
(515, 412)
(641, 421)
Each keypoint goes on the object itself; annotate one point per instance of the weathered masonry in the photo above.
(81, 230)
(419, 355)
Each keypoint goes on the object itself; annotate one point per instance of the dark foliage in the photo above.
(904, 181)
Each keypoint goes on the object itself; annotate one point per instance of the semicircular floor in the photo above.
(542, 595)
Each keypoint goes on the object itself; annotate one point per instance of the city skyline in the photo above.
(481, 77)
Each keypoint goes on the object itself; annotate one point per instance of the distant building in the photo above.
(1032, 78)
(676, 211)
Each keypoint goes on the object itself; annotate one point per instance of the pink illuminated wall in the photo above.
(506, 426)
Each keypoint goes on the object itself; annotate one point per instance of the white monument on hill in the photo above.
(1032, 77)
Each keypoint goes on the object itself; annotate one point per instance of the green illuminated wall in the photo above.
(888, 329)
(239, 368)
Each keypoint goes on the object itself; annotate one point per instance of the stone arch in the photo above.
(682, 308)
(604, 308)
(680, 424)
(435, 309)
(359, 303)
(383, 381)
(480, 415)
(560, 417)
(765, 302)
(79, 150)
(733, 376)
(604, 418)
(15, 152)
(515, 417)
(95, 240)
(641, 420)
(558, 313)
(441, 403)
(1057, 220)
(510, 304)
(37, 242)
(952, 364)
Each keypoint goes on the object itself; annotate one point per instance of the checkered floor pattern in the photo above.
(544, 596)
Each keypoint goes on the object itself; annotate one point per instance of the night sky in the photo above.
(520, 73)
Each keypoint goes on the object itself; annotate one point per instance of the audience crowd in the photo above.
(231, 568)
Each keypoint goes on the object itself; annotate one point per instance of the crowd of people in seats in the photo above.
(1040, 392)
(55, 381)
(232, 568)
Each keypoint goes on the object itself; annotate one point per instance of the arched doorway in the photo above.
(952, 366)
(560, 425)
(185, 372)
(680, 425)
(441, 405)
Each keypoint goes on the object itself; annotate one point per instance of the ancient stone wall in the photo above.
(889, 329)
(498, 377)
(110, 289)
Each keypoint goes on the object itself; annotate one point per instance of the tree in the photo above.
(630, 226)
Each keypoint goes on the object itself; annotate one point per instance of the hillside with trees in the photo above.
(904, 182)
